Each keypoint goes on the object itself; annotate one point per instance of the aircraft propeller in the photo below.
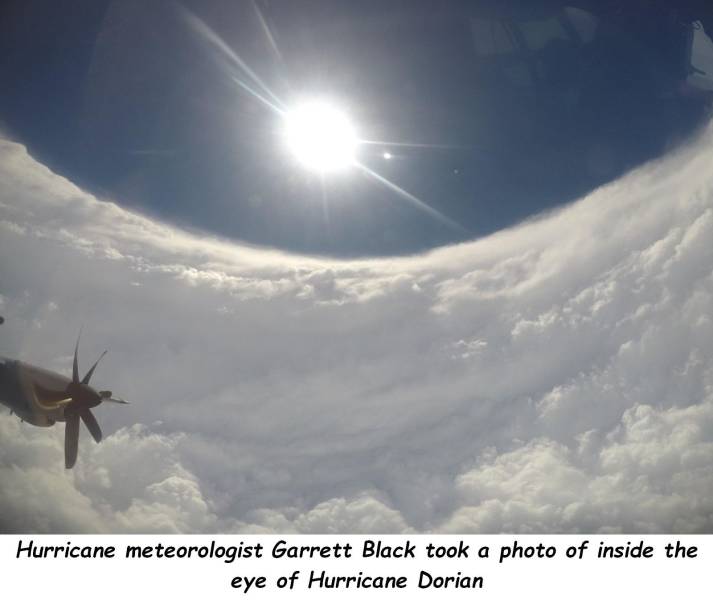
(78, 398)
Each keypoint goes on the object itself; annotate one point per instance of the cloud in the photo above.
(652, 473)
(555, 376)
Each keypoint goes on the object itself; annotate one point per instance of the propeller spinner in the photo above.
(78, 398)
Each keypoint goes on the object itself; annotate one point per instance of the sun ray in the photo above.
(259, 97)
(420, 204)
(325, 203)
(268, 32)
(202, 29)
(413, 145)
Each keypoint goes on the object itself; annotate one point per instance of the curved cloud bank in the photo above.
(554, 377)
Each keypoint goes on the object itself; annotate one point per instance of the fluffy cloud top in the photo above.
(556, 376)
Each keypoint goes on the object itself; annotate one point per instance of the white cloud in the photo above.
(653, 473)
(556, 376)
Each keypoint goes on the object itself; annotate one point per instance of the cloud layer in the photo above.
(554, 377)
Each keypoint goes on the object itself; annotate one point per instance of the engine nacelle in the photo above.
(38, 420)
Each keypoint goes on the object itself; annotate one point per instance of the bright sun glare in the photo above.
(321, 137)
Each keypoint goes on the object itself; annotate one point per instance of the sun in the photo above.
(321, 137)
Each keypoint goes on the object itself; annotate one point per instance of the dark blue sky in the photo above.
(529, 105)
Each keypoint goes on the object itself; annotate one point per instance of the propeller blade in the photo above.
(71, 439)
(115, 400)
(90, 372)
(91, 424)
(75, 365)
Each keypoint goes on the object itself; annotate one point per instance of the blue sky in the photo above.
(134, 102)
